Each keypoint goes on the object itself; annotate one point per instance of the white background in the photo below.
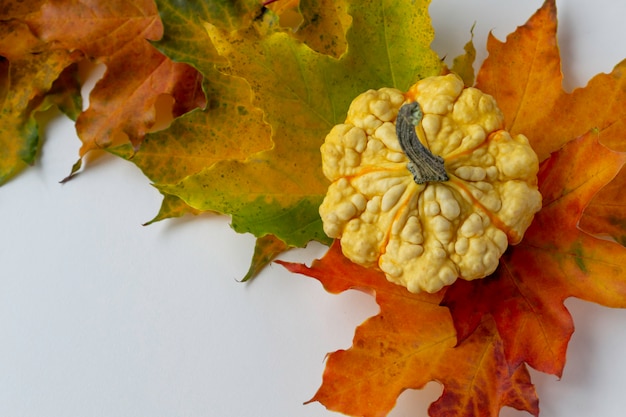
(100, 316)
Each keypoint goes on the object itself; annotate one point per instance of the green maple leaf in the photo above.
(201, 137)
(302, 94)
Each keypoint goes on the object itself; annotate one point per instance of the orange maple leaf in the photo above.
(408, 344)
(524, 76)
(554, 261)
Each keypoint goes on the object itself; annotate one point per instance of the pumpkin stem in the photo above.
(424, 166)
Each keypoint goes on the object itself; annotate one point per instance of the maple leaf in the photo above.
(229, 127)
(116, 33)
(408, 344)
(556, 259)
(524, 75)
(303, 94)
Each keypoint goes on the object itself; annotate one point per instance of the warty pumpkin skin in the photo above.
(425, 230)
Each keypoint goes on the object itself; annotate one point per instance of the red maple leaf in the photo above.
(554, 261)
(408, 344)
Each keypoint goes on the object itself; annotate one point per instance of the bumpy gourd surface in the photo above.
(425, 236)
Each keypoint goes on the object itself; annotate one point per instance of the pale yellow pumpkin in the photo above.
(422, 232)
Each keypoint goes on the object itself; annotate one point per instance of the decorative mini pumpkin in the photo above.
(427, 185)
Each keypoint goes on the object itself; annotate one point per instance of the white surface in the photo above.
(100, 316)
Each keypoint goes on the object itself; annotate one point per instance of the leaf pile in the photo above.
(53, 37)
(515, 317)
(253, 90)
